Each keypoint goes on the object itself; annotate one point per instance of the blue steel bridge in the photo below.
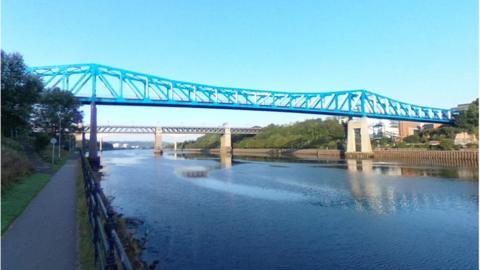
(104, 85)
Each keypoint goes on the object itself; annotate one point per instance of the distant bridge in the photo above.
(171, 130)
(226, 133)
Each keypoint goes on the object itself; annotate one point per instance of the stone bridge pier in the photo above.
(358, 139)
(226, 140)
(157, 149)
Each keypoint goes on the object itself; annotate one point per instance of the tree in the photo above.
(57, 109)
(468, 120)
(412, 139)
(20, 90)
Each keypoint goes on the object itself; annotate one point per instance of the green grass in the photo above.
(85, 255)
(18, 196)
(46, 155)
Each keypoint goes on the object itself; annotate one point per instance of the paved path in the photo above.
(44, 235)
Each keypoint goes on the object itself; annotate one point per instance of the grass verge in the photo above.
(16, 196)
(19, 196)
(85, 250)
(46, 155)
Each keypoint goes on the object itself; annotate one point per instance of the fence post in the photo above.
(109, 227)
(96, 234)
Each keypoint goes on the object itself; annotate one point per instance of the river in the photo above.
(250, 213)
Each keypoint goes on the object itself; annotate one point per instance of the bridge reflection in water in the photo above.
(370, 190)
(372, 195)
(359, 206)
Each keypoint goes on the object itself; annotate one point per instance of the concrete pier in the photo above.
(226, 140)
(93, 151)
(358, 139)
(158, 141)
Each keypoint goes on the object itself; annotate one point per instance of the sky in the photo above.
(422, 52)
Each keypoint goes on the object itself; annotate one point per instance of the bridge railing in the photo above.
(109, 251)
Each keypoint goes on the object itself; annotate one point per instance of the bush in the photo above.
(15, 164)
(412, 139)
(446, 144)
(41, 141)
(472, 145)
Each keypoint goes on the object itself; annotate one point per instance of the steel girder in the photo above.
(113, 86)
(170, 130)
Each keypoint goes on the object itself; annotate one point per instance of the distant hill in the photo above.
(315, 133)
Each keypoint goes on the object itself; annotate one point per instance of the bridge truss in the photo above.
(113, 86)
(170, 130)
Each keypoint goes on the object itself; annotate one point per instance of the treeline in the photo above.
(31, 116)
(315, 133)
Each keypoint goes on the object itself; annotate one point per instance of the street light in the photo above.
(59, 134)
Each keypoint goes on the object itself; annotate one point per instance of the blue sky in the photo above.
(423, 52)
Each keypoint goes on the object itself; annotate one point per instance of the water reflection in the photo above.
(257, 214)
(390, 168)
(226, 160)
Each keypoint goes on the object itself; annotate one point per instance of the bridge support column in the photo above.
(92, 151)
(226, 141)
(357, 136)
(100, 145)
(175, 146)
(158, 141)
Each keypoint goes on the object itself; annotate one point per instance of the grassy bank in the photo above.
(18, 192)
(19, 195)
(85, 249)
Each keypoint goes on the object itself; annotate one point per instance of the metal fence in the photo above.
(109, 251)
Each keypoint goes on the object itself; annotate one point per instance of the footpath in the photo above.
(44, 235)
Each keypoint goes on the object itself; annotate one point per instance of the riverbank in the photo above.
(448, 158)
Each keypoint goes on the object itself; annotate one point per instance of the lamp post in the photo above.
(59, 134)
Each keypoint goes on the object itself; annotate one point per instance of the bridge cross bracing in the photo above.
(171, 130)
(114, 86)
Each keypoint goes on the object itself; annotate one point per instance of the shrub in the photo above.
(15, 165)
(41, 141)
(446, 144)
(412, 139)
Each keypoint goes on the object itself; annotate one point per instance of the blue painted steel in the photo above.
(113, 86)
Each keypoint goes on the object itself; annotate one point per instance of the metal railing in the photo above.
(109, 251)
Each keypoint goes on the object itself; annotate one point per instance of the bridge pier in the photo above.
(92, 151)
(358, 139)
(226, 140)
(175, 146)
(158, 141)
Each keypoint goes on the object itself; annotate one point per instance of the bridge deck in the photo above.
(113, 86)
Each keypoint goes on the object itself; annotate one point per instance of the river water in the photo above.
(246, 213)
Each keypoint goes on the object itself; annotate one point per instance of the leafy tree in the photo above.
(20, 90)
(57, 109)
(468, 120)
(415, 138)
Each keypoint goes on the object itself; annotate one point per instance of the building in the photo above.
(406, 128)
(431, 126)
